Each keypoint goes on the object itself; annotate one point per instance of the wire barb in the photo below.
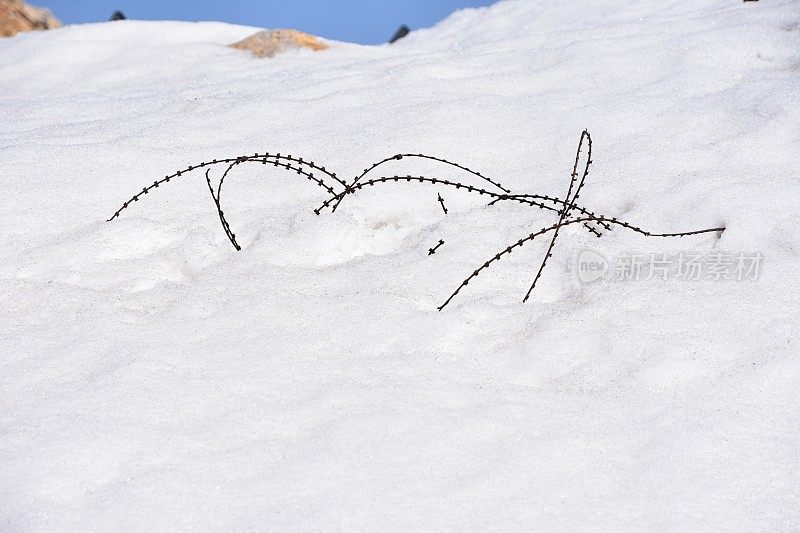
(441, 202)
(432, 251)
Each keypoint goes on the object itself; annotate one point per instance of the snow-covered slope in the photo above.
(151, 377)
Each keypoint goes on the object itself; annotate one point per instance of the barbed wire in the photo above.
(569, 201)
(480, 191)
(338, 189)
(398, 157)
(555, 227)
(264, 159)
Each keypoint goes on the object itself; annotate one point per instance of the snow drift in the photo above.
(155, 378)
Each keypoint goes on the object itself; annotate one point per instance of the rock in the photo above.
(17, 16)
(267, 43)
(401, 32)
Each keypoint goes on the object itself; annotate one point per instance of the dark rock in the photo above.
(401, 32)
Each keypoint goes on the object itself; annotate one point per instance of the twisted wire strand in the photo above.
(470, 188)
(237, 160)
(524, 199)
(338, 199)
(570, 200)
(274, 161)
(264, 159)
(225, 226)
(521, 242)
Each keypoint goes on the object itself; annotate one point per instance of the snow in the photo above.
(152, 377)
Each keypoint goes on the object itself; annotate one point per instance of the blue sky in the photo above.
(361, 21)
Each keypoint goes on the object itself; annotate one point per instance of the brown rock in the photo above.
(267, 43)
(17, 16)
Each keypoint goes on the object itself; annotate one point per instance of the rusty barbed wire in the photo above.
(398, 157)
(569, 201)
(497, 197)
(265, 158)
(225, 226)
(336, 200)
(563, 207)
(554, 227)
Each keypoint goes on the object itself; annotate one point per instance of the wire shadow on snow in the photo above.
(567, 209)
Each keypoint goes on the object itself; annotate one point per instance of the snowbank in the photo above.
(152, 377)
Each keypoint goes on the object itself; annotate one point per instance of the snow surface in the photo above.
(153, 378)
